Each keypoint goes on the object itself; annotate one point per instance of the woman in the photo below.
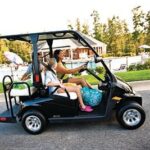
(50, 80)
(61, 70)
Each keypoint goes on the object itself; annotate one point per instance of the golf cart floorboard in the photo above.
(8, 112)
(96, 111)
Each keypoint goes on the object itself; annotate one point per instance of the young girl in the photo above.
(51, 81)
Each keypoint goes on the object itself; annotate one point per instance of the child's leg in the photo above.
(75, 89)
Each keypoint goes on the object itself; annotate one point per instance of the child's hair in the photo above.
(52, 61)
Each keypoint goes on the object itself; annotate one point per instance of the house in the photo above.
(74, 49)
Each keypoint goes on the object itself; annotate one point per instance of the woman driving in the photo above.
(61, 70)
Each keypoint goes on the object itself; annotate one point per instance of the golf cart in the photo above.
(34, 107)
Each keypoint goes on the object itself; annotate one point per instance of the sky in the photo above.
(24, 16)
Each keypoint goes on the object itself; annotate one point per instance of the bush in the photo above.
(144, 66)
(140, 67)
(147, 64)
(132, 68)
(100, 70)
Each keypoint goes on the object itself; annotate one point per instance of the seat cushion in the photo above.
(22, 92)
(73, 95)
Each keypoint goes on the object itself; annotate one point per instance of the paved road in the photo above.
(107, 135)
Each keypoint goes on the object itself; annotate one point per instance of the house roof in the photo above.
(93, 41)
(72, 43)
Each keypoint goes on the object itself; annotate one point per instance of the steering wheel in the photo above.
(85, 67)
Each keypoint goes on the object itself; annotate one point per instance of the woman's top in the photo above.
(62, 70)
(59, 73)
(47, 77)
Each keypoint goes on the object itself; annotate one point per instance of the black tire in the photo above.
(33, 122)
(130, 115)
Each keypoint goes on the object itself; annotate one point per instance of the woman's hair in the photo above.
(56, 53)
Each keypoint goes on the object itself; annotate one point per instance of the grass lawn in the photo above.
(134, 75)
(1, 88)
(127, 76)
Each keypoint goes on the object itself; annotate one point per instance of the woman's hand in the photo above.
(82, 68)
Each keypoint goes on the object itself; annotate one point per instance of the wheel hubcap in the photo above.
(33, 123)
(132, 117)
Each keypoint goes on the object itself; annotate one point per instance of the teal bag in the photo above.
(91, 97)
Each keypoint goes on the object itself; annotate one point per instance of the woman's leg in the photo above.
(79, 81)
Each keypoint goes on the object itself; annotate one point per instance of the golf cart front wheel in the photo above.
(131, 116)
(33, 122)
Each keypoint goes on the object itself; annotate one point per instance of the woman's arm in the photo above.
(62, 69)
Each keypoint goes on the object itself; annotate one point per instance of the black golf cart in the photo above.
(35, 107)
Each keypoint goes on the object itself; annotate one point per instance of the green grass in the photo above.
(127, 76)
(92, 80)
(134, 75)
(1, 88)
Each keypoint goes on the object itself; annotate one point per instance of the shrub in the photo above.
(100, 70)
(140, 67)
(147, 64)
(144, 66)
(132, 68)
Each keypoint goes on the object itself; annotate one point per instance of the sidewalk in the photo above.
(140, 85)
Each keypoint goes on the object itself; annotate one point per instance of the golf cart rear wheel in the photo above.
(33, 122)
(131, 115)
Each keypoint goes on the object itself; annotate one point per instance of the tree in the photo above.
(85, 29)
(115, 34)
(70, 26)
(78, 25)
(98, 27)
(147, 28)
(139, 27)
(3, 48)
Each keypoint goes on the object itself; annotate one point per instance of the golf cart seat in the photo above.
(22, 92)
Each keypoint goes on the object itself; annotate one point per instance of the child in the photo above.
(51, 81)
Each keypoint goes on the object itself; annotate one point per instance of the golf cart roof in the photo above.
(50, 36)
(44, 35)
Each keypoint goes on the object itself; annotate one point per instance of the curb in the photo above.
(142, 81)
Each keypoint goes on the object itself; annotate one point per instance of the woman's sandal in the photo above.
(87, 109)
